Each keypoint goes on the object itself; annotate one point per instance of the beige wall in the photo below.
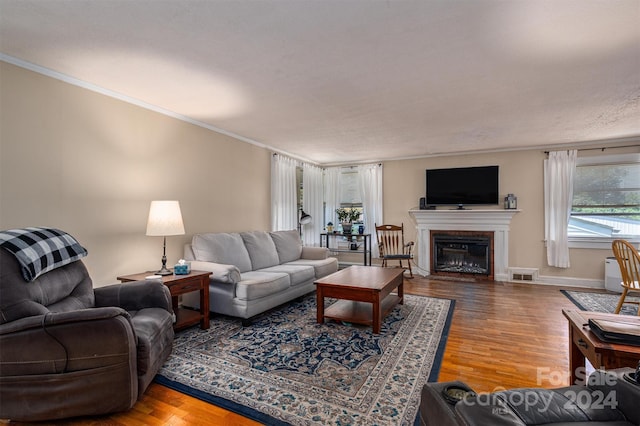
(89, 164)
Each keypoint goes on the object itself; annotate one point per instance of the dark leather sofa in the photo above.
(607, 399)
(67, 349)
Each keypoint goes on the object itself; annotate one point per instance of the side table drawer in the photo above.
(585, 346)
(185, 287)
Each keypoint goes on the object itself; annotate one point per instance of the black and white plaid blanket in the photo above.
(41, 250)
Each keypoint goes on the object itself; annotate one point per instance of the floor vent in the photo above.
(523, 274)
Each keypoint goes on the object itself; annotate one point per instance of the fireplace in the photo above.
(494, 221)
(462, 253)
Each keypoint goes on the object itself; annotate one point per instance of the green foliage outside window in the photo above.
(607, 190)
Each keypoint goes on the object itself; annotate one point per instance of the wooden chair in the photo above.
(629, 261)
(392, 246)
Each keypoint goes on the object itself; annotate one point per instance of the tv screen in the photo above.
(462, 186)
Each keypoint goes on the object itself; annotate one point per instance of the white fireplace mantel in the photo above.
(498, 221)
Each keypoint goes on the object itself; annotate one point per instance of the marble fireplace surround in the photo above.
(496, 220)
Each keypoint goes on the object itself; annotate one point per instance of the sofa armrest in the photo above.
(135, 295)
(314, 253)
(219, 272)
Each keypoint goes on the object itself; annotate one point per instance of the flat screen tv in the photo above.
(462, 186)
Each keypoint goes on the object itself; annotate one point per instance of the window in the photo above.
(350, 197)
(606, 200)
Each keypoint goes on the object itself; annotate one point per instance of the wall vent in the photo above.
(523, 274)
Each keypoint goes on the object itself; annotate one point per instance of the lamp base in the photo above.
(164, 271)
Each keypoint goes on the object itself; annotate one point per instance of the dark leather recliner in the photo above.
(607, 399)
(67, 349)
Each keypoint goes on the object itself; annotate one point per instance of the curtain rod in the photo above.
(601, 149)
(355, 167)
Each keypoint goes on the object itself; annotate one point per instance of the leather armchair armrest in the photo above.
(620, 391)
(67, 341)
(135, 295)
(434, 409)
(314, 253)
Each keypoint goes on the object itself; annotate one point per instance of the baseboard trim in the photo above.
(541, 279)
(566, 282)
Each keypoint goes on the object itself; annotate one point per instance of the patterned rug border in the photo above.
(272, 421)
(575, 302)
(600, 302)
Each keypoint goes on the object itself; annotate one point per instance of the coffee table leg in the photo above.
(320, 305)
(376, 316)
(401, 291)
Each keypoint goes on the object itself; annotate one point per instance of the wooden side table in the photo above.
(583, 344)
(181, 284)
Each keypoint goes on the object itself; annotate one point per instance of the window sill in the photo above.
(598, 243)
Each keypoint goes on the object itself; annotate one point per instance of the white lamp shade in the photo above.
(165, 219)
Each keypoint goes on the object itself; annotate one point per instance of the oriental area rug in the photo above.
(286, 369)
(600, 302)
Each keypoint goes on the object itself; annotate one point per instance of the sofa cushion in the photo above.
(288, 245)
(298, 274)
(314, 253)
(322, 267)
(225, 248)
(257, 284)
(261, 248)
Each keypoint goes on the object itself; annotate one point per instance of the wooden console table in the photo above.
(181, 284)
(583, 344)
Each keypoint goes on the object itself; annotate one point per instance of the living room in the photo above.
(92, 164)
(89, 161)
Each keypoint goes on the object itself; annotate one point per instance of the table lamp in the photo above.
(165, 219)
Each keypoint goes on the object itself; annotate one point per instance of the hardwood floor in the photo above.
(502, 335)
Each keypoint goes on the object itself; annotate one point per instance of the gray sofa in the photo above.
(255, 271)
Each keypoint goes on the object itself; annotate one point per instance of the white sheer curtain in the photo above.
(331, 194)
(371, 193)
(284, 210)
(312, 196)
(559, 170)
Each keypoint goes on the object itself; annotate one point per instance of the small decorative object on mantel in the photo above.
(510, 202)
(181, 268)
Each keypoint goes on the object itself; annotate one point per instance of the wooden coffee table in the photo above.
(365, 293)
(583, 344)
